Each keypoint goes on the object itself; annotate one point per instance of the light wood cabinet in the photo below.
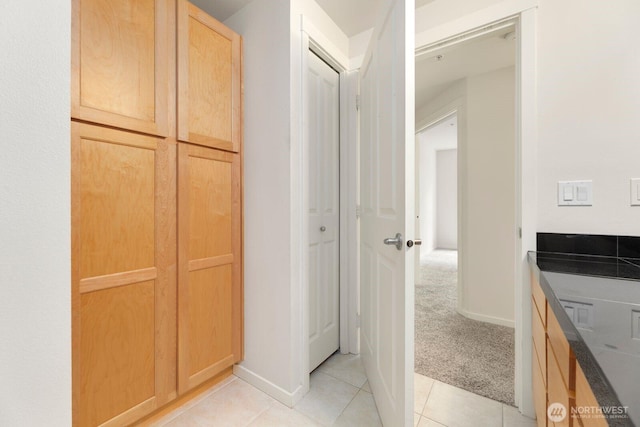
(209, 81)
(120, 70)
(123, 283)
(557, 377)
(557, 391)
(157, 299)
(586, 399)
(539, 356)
(210, 263)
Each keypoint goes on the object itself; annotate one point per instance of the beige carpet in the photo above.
(472, 355)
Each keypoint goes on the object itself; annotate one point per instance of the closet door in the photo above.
(123, 274)
(119, 63)
(209, 80)
(209, 263)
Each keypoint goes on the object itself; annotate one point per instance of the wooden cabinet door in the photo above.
(209, 263)
(123, 274)
(209, 80)
(119, 63)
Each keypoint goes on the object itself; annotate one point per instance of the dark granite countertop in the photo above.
(596, 300)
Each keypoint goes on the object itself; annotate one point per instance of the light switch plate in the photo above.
(575, 193)
(635, 192)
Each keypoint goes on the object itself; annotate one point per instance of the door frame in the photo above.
(314, 40)
(524, 13)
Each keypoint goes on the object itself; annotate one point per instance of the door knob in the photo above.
(396, 241)
(323, 228)
(416, 242)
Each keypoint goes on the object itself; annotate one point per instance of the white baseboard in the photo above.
(278, 393)
(488, 319)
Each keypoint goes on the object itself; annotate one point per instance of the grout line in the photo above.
(345, 408)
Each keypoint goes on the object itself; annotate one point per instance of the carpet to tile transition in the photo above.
(472, 355)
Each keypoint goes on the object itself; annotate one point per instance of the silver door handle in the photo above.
(396, 241)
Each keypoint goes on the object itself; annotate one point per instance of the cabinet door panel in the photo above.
(123, 276)
(586, 399)
(117, 351)
(210, 264)
(119, 64)
(557, 391)
(209, 74)
(539, 390)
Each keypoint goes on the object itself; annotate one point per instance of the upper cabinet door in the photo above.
(119, 63)
(209, 80)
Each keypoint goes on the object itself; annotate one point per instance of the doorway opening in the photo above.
(466, 194)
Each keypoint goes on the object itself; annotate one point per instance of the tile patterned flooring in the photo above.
(339, 395)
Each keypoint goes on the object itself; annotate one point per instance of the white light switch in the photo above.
(575, 193)
(568, 193)
(635, 192)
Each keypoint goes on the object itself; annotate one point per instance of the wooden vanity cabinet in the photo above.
(539, 357)
(586, 399)
(553, 369)
(156, 288)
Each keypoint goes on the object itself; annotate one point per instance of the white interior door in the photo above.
(324, 210)
(387, 184)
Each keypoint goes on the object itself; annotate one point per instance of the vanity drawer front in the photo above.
(559, 345)
(539, 342)
(540, 301)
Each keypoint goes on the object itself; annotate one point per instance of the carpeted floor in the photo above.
(465, 353)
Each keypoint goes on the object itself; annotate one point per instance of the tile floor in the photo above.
(339, 395)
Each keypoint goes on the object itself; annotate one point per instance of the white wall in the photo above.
(431, 141)
(447, 199)
(486, 132)
(273, 284)
(264, 26)
(35, 260)
(358, 45)
(589, 105)
(489, 191)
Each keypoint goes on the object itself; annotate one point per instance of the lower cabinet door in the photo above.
(559, 410)
(209, 263)
(123, 289)
(539, 390)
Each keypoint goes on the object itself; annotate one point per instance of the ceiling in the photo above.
(352, 16)
(487, 53)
